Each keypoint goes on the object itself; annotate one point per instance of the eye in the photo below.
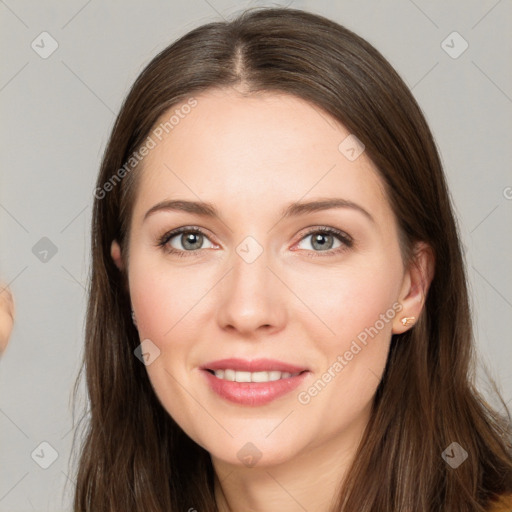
(188, 239)
(324, 239)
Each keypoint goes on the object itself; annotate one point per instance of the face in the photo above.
(315, 293)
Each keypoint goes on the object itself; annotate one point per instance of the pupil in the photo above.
(321, 240)
(190, 239)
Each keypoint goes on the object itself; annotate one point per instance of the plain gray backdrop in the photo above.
(57, 110)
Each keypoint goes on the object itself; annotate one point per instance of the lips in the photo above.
(252, 383)
(256, 365)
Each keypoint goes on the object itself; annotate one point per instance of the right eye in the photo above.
(189, 237)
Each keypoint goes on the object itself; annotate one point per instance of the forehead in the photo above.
(266, 145)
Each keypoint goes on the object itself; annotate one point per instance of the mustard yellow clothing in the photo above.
(504, 504)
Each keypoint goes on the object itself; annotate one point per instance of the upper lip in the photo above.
(254, 365)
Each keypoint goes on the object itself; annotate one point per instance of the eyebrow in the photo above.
(292, 210)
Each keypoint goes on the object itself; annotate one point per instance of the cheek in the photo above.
(162, 297)
(348, 301)
(358, 306)
(338, 397)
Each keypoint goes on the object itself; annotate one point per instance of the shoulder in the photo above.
(503, 504)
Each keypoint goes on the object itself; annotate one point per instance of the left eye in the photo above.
(324, 240)
(189, 238)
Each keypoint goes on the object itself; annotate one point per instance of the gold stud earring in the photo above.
(407, 320)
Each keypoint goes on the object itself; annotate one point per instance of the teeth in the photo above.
(274, 375)
(243, 377)
(240, 376)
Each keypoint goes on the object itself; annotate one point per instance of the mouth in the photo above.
(232, 375)
(253, 366)
(252, 383)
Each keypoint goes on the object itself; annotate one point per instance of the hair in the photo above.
(133, 456)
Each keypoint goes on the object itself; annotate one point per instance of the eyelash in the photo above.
(345, 239)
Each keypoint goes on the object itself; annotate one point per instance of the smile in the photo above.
(252, 389)
(242, 376)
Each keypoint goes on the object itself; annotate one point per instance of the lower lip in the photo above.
(253, 393)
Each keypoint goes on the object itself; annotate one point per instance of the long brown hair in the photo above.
(133, 456)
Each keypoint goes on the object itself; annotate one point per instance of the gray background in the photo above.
(57, 114)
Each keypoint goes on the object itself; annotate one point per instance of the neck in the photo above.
(309, 481)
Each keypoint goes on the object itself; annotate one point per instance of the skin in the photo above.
(251, 156)
(6, 316)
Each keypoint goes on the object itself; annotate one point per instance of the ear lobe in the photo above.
(415, 287)
(115, 253)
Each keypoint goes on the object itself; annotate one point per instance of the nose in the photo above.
(252, 298)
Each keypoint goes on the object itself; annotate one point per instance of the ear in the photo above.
(416, 283)
(115, 252)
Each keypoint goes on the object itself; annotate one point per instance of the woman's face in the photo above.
(268, 291)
